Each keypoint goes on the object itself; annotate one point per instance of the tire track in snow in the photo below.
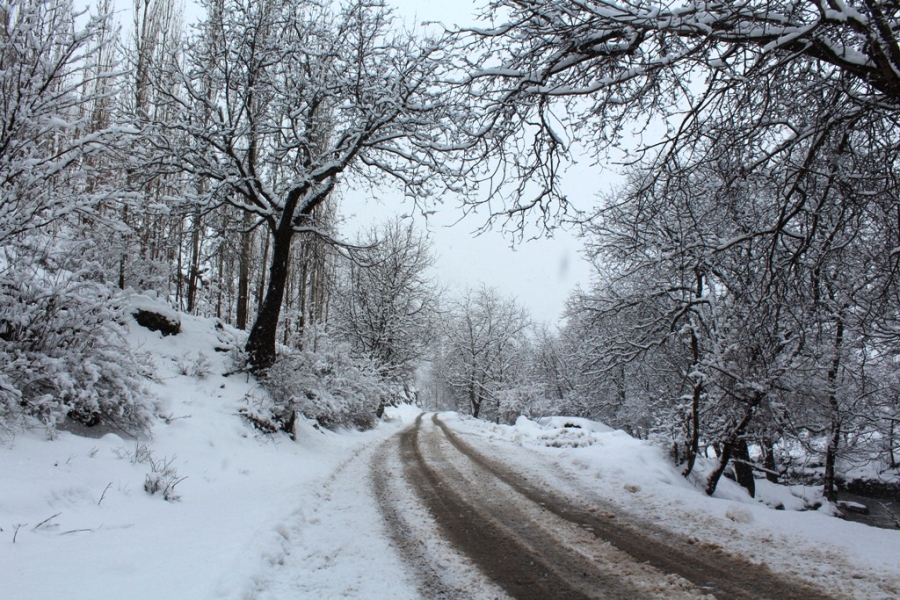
(712, 572)
(334, 545)
(440, 570)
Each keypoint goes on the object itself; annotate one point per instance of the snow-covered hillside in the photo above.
(76, 521)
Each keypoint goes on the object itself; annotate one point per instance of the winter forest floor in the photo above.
(423, 506)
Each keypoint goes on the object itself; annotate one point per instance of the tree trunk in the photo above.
(194, 272)
(475, 401)
(769, 460)
(713, 480)
(263, 335)
(261, 288)
(830, 491)
(891, 444)
(742, 470)
(830, 486)
(728, 445)
(243, 299)
(694, 444)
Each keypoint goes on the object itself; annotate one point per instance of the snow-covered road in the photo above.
(535, 542)
(424, 514)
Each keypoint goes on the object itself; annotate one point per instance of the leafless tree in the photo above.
(387, 301)
(485, 348)
(299, 96)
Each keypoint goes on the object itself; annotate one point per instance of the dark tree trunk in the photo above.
(830, 486)
(263, 335)
(694, 443)
(476, 403)
(834, 441)
(742, 470)
(891, 444)
(243, 299)
(194, 269)
(769, 461)
(713, 480)
(728, 445)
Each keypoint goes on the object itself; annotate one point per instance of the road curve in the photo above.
(534, 543)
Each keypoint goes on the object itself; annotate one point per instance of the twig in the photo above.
(76, 531)
(891, 513)
(45, 521)
(16, 533)
(103, 495)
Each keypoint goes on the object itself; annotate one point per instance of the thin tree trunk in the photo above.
(694, 445)
(830, 490)
(769, 460)
(194, 273)
(830, 486)
(891, 444)
(243, 299)
(696, 395)
(261, 288)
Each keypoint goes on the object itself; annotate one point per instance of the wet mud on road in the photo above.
(530, 542)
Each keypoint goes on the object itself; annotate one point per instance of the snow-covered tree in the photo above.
(753, 240)
(51, 152)
(485, 349)
(386, 303)
(283, 99)
(61, 149)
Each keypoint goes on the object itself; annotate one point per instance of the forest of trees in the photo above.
(745, 304)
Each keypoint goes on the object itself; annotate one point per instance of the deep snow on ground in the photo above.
(599, 464)
(84, 528)
(265, 517)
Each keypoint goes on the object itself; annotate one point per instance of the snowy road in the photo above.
(514, 537)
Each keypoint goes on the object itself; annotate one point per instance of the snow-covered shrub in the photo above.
(329, 385)
(163, 478)
(62, 351)
(199, 367)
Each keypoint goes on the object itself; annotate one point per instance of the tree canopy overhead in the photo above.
(772, 73)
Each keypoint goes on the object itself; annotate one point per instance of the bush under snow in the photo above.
(62, 352)
(327, 385)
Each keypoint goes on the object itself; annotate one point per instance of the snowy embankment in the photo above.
(76, 521)
(594, 463)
